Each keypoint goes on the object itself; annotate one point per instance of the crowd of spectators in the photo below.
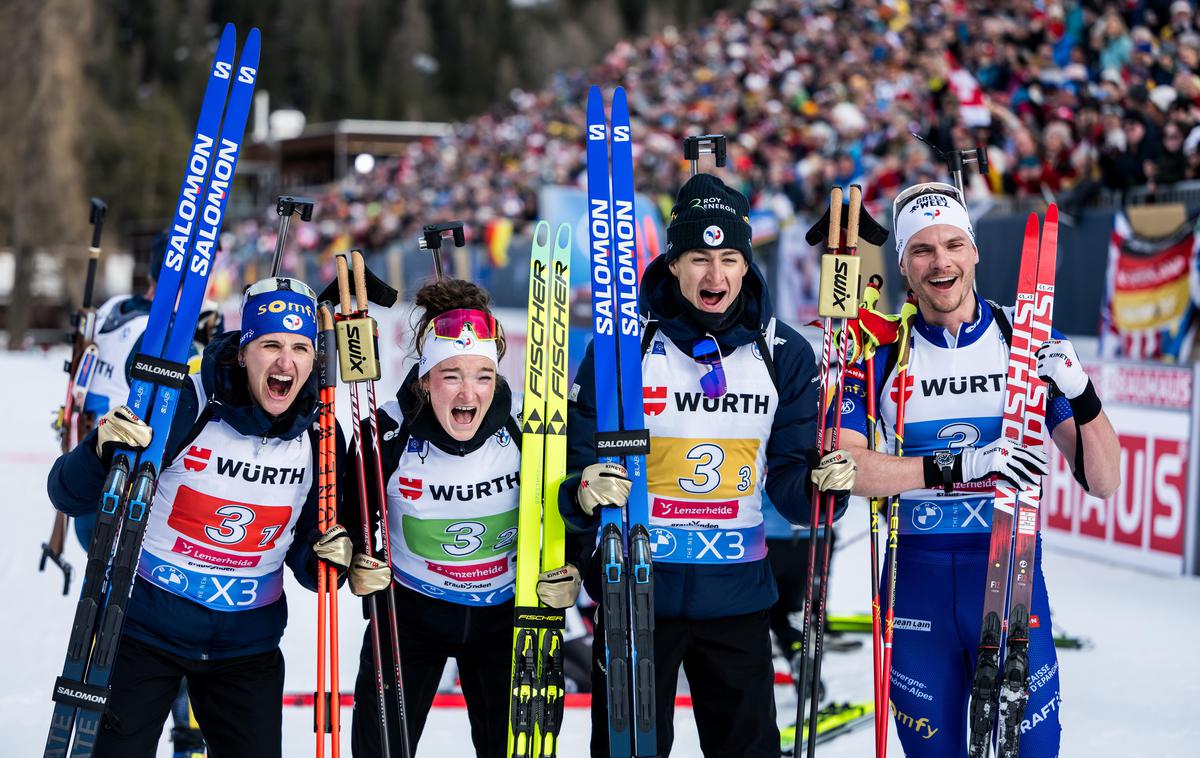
(1070, 98)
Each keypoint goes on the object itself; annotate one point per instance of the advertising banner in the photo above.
(1150, 522)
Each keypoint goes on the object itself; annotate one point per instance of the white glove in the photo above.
(120, 428)
(834, 473)
(1023, 466)
(604, 485)
(369, 575)
(1058, 364)
(559, 588)
(334, 547)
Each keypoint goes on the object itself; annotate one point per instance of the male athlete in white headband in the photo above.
(953, 452)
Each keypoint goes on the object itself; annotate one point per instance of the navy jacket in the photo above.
(177, 624)
(712, 591)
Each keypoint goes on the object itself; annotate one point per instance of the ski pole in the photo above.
(957, 160)
(704, 144)
(833, 241)
(904, 352)
(431, 240)
(354, 343)
(327, 721)
(839, 280)
(83, 360)
(876, 653)
(358, 362)
(287, 206)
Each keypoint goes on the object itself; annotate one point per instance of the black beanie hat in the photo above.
(709, 215)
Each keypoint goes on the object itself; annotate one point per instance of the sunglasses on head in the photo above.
(451, 324)
(925, 188)
(707, 354)
(278, 284)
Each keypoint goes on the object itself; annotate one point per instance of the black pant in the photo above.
(728, 666)
(430, 632)
(238, 702)
(789, 564)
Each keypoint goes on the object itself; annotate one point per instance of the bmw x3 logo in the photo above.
(662, 543)
(926, 516)
(170, 576)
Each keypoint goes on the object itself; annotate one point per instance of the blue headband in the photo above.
(279, 311)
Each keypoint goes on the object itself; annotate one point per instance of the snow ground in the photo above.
(1133, 694)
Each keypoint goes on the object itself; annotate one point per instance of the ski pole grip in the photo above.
(839, 273)
(697, 145)
(96, 219)
(343, 281)
(432, 234)
(360, 279)
(286, 205)
(327, 369)
(834, 237)
(852, 215)
(981, 159)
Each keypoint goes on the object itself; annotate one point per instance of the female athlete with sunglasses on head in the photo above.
(451, 453)
(238, 484)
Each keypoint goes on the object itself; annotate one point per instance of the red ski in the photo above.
(1024, 421)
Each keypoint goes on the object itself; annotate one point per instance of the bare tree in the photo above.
(42, 174)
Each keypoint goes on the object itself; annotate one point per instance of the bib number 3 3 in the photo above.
(721, 469)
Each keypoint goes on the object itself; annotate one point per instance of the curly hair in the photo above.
(437, 298)
(445, 295)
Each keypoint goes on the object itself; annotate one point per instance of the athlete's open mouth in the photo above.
(279, 385)
(463, 415)
(942, 282)
(712, 298)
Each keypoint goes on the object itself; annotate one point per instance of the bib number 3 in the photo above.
(706, 475)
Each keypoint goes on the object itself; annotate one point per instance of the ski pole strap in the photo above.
(159, 371)
(357, 350)
(540, 618)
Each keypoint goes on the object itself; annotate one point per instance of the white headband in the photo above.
(437, 349)
(929, 209)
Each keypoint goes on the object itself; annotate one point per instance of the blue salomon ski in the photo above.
(627, 597)
(158, 374)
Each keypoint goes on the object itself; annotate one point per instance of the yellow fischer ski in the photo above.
(536, 706)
